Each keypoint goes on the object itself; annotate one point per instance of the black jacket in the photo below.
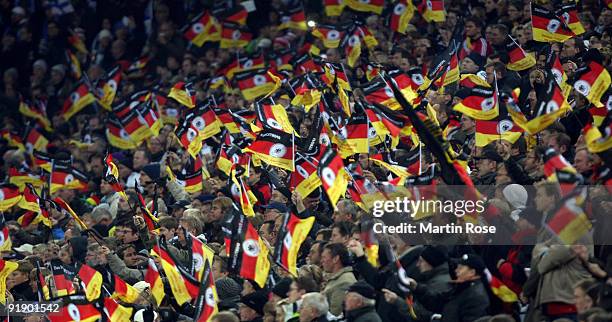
(465, 302)
(23, 292)
(363, 314)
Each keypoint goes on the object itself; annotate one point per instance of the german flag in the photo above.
(333, 7)
(183, 287)
(557, 169)
(204, 120)
(34, 140)
(280, 60)
(150, 218)
(251, 62)
(37, 112)
(592, 81)
(354, 136)
(290, 238)
(75, 65)
(30, 200)
(191, 182)
(570, 222)
(5, 240)
(76, 308)
(500, 289)
(306, 92)
(554, 64)
(204, 27)
(64, 206)
(67, 177)
(275, 148)
(201, 255)
(451, 74)
(569, 14)
(385, 160)
(236, 14)
(409, 82)
(62, 278)
(377, 91)
(305, 63)
(248, 253)
(189, 137)
(154, 279)
(42, 287)
(242, 194)
(109, 87)
(112, 176)
(550, 106)
(149, 117)
(439, 68)
(432, 10)
(596, 143)
(234, 36)
(330, 35)
(13, 139)
(183, 93)
(294, 18)
(116, 312)
(78, 100)
(91, 280)
(206, 303)
(377, 129)
(133, 125)
(76, 42)
(333, 175)
(479, 102)
(273, 117)
(117, 136)
(374, 6)
(22, 177)
(370, 242)
(6, 268)
(500, 128)
(400, 15)
(9, 196)
(304, 179)
(352, 48)
(519, 59)
(548, 27)
(255, 83)
(139, 65)
(124, 291)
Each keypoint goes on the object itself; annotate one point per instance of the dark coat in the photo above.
(363, 314)
(23, 292)
(465, 302)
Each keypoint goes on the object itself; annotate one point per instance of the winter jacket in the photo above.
(337, 284)
(363, 314)
(118, 267)
(465, 302)
(560, 269)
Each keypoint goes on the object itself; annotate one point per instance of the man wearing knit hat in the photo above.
(360, 303)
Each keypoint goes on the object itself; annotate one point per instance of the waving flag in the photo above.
(352, 47)
(479, 102)
(183, 93)
(76, 42)
(117, 136)
(248, 253)
(112, 176)
(255, 83)
(124, 291)
(432, 10)
(234, 36)
(108, 89)
(500, 128)
(184, 288)
(290, 238)
(592, 81)
(333, 175)
(34, 140)
(206, 302)
(190, 138)
(62, 278)
(548, 27)
(204, 27)
(374, 6)
(274, 117)
(91, 280)
(550, 106)
(330, 35)
(333, 7)
(304, 179)
(519, 59)
(116, 312)
(75, 65)
(5, 240)
(275, 148)
(569, 14)
(80, 98)
(30, 200)
(6, 268)
(154, 279)
(76, 308)
(294, 18)
(400, 15)
(37, 111)
(570, 222)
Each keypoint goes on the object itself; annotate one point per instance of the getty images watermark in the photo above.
(425, 208)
